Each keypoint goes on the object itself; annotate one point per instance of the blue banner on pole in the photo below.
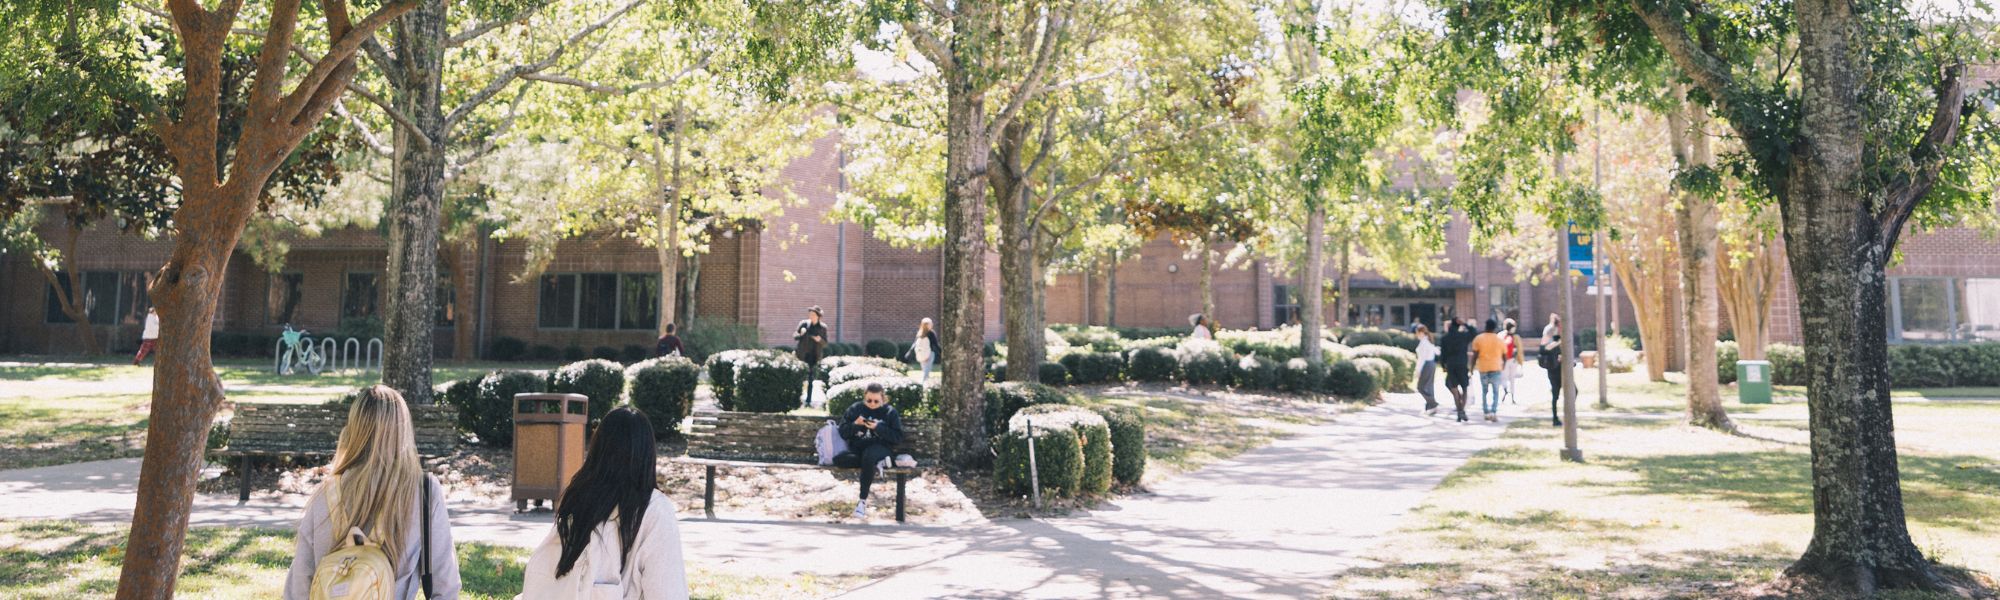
(1580, 254)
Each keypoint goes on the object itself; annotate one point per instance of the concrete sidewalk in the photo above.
(1278, 522)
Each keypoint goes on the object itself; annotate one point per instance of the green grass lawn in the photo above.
(1662, 509)
(1187, 430)
(65, 559)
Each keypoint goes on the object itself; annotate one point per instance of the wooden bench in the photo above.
(759, 440)
(313, 430)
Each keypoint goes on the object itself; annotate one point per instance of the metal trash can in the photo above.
(1753, 381)
(548, 444)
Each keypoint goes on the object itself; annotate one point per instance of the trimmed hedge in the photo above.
(1093, 434)
(506, 348)
(1093, 367)
(1301, 376)
(1128, 445)
(1726, 355)
(1151, 363)
(573, 353)
(1359, 378)
(604, 353)
(491, 413)
(543, 353)
(908, 396)
(601, 380)
(722, 375)
(769, 382)
(1910, 365)
(1255, 372)
(664, 389)
(709, 335)
(463, 397)
(1367, 337)
(848, 373)
(829, 363)
(1788, 364)
(633, 354)
(1052, 373)
(1204, 361)
(1403, 365)
(1006, 398)
(881, 348)
(1058, 458)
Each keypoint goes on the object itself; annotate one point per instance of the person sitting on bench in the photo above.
(872, 430)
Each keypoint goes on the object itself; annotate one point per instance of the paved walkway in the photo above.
(1276, 522)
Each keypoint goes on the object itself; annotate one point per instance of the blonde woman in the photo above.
(925, 349)
(379, 487)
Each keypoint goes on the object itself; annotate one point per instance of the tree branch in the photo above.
(1928, 155)
(1053, 25)
(367, 135)
(312, 93)
(933, 50)
(1664, 18)
(464, 37)
(506, 78)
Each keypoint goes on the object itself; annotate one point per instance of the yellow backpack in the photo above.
(357, 572)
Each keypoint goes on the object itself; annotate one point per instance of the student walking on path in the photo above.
(148, 338)
(379, 489)
(1491, 357)
(1453, 354)
(1427, 354)
(1511, 370)
(616, 535)
(925, 349)
(811, 338)
(872, 429)
(1201, 328)
(670, 344)
(1551, 360)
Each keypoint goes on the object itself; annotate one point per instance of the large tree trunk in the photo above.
(963, 315)
(1018, 255)
(1206, 252)
(1860, 539)
(1747, 280)
(668, 221)
(1694, 219)
(1640, 260)
(1345, 272)
(1312, 297)
(414, 205)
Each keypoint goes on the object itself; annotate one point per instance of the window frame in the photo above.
(347, 278)
(270, 283)
(1953, 289)
(617, 308)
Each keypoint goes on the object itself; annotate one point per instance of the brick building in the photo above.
(598, 291)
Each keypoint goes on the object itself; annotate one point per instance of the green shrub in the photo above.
(1402, 363)
(1097, 338)
(1253, 372)
(908, 396)
(852, 372)
(1140, 333)
(1162, 343)
(664, 389)
(1725, 362)
(1058, 459)
(1093, 367)
(769, 382)
(1359, 378)
(1977, 364)
(1788, 364)
(903, 349)
(361, 328)
(1301, 376)
(1006, 398)
(506, 348)
(722, 374)
(491, 412)
(996, 371)
(604, 353)
(1204, 362)
(709, 335)
(1052, 373)
(1128, 445)
(1913, 365)
(1151, 363)
(1093, 435)
(601, 380)
(880, 348)
(573, 353)
(1367, 337)
(633, 354)
(544, 353)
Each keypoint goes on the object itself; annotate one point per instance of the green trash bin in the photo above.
(1753, 381)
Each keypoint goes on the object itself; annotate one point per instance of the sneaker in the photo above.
(861, 509)
(1431, 412)
(905, 461)
(1491, 418)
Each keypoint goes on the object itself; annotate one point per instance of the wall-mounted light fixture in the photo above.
(1173, 268)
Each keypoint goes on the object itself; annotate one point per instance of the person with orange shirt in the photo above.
(1490, 358)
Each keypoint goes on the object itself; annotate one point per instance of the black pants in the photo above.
(1555, 393)
(812, 374)
(864, 456)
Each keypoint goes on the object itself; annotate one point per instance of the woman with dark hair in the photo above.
(616, 535)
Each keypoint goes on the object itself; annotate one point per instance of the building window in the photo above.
(1503, 302)
(1980, 310)
(599, 301)
(281, 302)
(1284, 305)
(360, 297)
(109, 297)
(1923, 309)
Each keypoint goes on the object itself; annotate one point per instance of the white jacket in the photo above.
(656, 571)
(1426, 351)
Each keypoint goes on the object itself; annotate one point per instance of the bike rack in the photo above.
(374, 356)
(327, 348)
(352, 351)
(278, 356)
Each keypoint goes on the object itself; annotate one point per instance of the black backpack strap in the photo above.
(424, 558)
